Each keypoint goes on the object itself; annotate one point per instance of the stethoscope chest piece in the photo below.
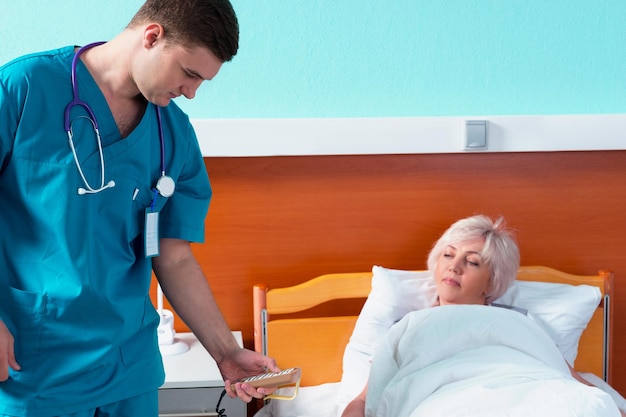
(165, 186)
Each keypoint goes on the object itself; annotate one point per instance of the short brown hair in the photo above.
(209, 23)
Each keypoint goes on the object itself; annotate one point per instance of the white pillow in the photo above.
(563, 310)
(394, 294)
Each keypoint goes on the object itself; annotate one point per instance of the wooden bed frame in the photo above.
(316, 344)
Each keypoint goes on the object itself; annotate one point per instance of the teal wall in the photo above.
(380, 58)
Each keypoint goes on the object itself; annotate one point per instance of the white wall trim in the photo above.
(356, 136)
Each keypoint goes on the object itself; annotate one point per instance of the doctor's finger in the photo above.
(4, 365)
(7, 359)
(11, 359)
(7, 355)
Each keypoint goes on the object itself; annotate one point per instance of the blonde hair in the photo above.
(500, 251)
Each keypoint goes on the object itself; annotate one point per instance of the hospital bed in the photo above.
(334, 352)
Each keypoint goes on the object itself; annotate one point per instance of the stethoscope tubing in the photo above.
(161, 139)
(165, 185)
(76, 101)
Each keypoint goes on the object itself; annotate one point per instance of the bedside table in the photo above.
(193, 383)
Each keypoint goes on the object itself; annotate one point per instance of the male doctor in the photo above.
(101, 183)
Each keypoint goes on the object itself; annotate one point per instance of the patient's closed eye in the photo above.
(473, 262)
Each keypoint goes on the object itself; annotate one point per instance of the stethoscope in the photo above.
(165, 184)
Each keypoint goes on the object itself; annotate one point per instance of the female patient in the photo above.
(473, 262)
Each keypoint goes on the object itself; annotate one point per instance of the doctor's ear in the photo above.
(153, 33)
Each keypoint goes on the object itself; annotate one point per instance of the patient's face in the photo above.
(461, 275)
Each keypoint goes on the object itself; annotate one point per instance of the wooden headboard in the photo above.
(316, 344)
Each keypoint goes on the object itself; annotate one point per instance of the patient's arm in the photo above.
(579, 378)
(356, 407)
(582, 380)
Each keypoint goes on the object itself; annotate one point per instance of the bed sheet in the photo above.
(323, 401)
(476, 360)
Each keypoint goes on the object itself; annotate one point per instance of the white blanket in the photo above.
(476, 361)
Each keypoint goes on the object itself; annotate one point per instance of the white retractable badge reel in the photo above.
(165, 186)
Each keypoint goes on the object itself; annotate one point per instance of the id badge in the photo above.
(151, 233)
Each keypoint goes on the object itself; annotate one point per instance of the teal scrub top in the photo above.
(74, 279)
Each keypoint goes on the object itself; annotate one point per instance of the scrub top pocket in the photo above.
(146, 197)
(22, 312)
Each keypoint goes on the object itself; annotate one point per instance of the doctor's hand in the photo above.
(243, 363)
(7, 355)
